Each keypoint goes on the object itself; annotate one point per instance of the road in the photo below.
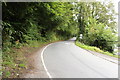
(65, 60)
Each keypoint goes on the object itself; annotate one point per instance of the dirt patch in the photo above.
(26, 62)
(35, 67)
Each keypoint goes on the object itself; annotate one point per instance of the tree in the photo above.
(95, 19)
(37, 21)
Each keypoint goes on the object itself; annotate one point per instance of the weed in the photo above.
(8, 74)
(14, 61)
(22, 65)
(92, 48)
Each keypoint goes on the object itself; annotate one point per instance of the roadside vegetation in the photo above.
(118, 43)
(97, 26)
(95, 49)
(15, 58)
(26, 26)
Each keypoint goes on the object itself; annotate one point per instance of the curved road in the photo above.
(65, 60)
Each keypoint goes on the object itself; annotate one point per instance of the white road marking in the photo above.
(66, 43)
(43, 61)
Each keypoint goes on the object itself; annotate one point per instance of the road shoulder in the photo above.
(35, 67)
(106, 57)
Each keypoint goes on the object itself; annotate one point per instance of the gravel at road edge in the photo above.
(36, 69)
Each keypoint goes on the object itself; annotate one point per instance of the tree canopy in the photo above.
(37, 21)
(97, 24)
(46, 21)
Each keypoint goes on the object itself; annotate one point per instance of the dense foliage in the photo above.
(43, 21)
(27, 25)
(97, 24)
(47, 21)
(34, 24)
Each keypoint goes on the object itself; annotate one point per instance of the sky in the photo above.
(115, 2)
(116, 9)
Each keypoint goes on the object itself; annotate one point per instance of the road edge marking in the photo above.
(44, 62)
(104, 57)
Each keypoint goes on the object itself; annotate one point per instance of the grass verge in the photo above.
(14, 60)
(92, 48)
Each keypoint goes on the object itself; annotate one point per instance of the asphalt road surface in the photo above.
(65, 60)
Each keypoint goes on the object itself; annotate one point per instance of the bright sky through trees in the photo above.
(113, 1)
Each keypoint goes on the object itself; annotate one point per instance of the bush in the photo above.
(96, 34)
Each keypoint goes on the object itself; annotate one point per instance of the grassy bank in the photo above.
(14, 58)
(92, 48)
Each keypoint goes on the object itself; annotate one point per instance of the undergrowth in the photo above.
(93, 48)
(14, 60)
